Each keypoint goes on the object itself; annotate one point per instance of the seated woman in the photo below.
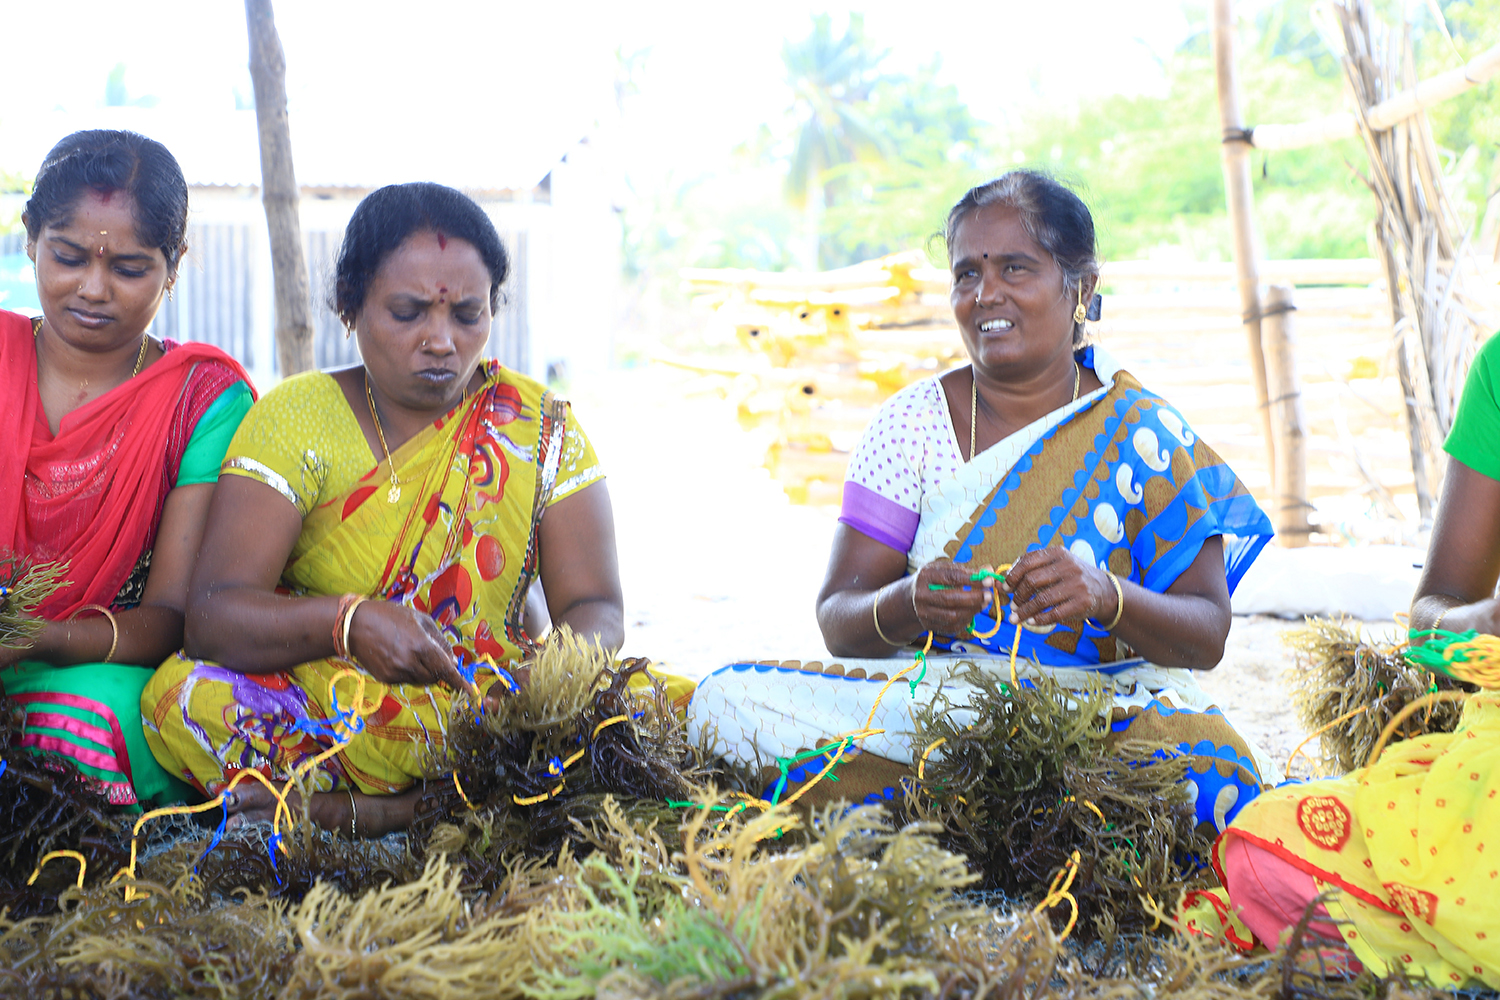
(117, 448)
(391, 515)
(1123, 532)
(1402, 842)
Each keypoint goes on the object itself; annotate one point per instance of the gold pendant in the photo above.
(393, 495)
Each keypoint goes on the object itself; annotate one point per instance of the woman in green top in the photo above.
(113, 456)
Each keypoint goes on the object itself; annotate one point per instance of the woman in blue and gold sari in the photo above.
(1119, 533)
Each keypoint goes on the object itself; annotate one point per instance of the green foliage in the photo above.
(893, 151)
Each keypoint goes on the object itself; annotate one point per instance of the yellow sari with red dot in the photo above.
(454, 537)
(1408, 850)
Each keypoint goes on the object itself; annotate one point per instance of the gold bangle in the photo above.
(353, 813)
(875, 614)
(114, 627)
(1119, 603)
(342, 622)
(1437, 622)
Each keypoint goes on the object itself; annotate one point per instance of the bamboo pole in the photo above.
(279, 193)
(1241, 199)
(1384, 115)
(1288, 419)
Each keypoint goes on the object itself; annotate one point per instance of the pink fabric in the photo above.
(1269, 893)
(56, 720)
(116, 741)
(93, 758)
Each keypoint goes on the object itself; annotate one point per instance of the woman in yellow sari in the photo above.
(1404, 848)
(390, 516)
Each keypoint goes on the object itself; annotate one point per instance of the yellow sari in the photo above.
(1408, 847)
(459, 543)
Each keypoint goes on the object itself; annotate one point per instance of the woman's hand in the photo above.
(401, 645)
(1051, 586)
(949, 610)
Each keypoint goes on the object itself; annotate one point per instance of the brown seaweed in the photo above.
(1338, 673)
(628, 744)
(47, 805)
(1031, 781)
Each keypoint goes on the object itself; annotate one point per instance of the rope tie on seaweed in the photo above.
(346, 724)
(555, 767)
(1058, 892)
(1471, 657)
(83, 865)
(842, 743)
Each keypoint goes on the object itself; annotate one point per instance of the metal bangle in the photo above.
(353, 813)
(1437, 622)
(114, 627)
(875, 614)
(342, 622)
(1119, 603)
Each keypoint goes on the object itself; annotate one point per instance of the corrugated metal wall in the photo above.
(214, 299)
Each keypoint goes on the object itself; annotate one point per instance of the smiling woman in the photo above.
(117, 449)
(392, 515)
(1037, 502)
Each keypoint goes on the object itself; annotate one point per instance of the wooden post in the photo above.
(1241, 199)
(1288, 419)
(279, 193)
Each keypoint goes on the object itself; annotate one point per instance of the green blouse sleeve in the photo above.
(1475, 437)
(205, 449)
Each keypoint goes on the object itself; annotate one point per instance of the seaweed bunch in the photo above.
(533, 771)
(47, 805)
(167, 941)
(1032, 780)
(1347, 689)
(240, 862)
(862, 910)
(24, 585)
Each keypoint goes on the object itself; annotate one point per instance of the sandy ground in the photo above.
(719, 566)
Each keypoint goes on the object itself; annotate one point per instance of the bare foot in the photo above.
(372, 815)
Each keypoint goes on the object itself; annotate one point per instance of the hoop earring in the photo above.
(1080, 313)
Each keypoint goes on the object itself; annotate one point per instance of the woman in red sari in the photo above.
(114, 452)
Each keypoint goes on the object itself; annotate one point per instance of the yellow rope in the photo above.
(1057, 894)
(575, 758)
(357, 708)
(1321, 730)
(880, 695)
(1406, 713)
(922, 764)
(83, 865)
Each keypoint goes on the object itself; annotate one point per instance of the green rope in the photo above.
(1432, 655)
(984, 574)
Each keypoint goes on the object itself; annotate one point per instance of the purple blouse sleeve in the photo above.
(883, 484)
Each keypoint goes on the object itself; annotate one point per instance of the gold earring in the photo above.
(1079, 312)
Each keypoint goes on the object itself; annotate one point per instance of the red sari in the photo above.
(93, 494)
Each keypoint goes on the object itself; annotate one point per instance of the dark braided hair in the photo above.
(108, 160)
(384, 220)
(1053, 215)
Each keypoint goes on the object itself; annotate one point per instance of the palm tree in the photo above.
(831, 80)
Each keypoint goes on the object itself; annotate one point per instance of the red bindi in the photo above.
(443, 289)
(442, 244)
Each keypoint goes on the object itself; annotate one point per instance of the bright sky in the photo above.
(436, 71)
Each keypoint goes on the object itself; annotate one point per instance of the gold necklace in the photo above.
(974, 402)
(140, 358)
(394, 493)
